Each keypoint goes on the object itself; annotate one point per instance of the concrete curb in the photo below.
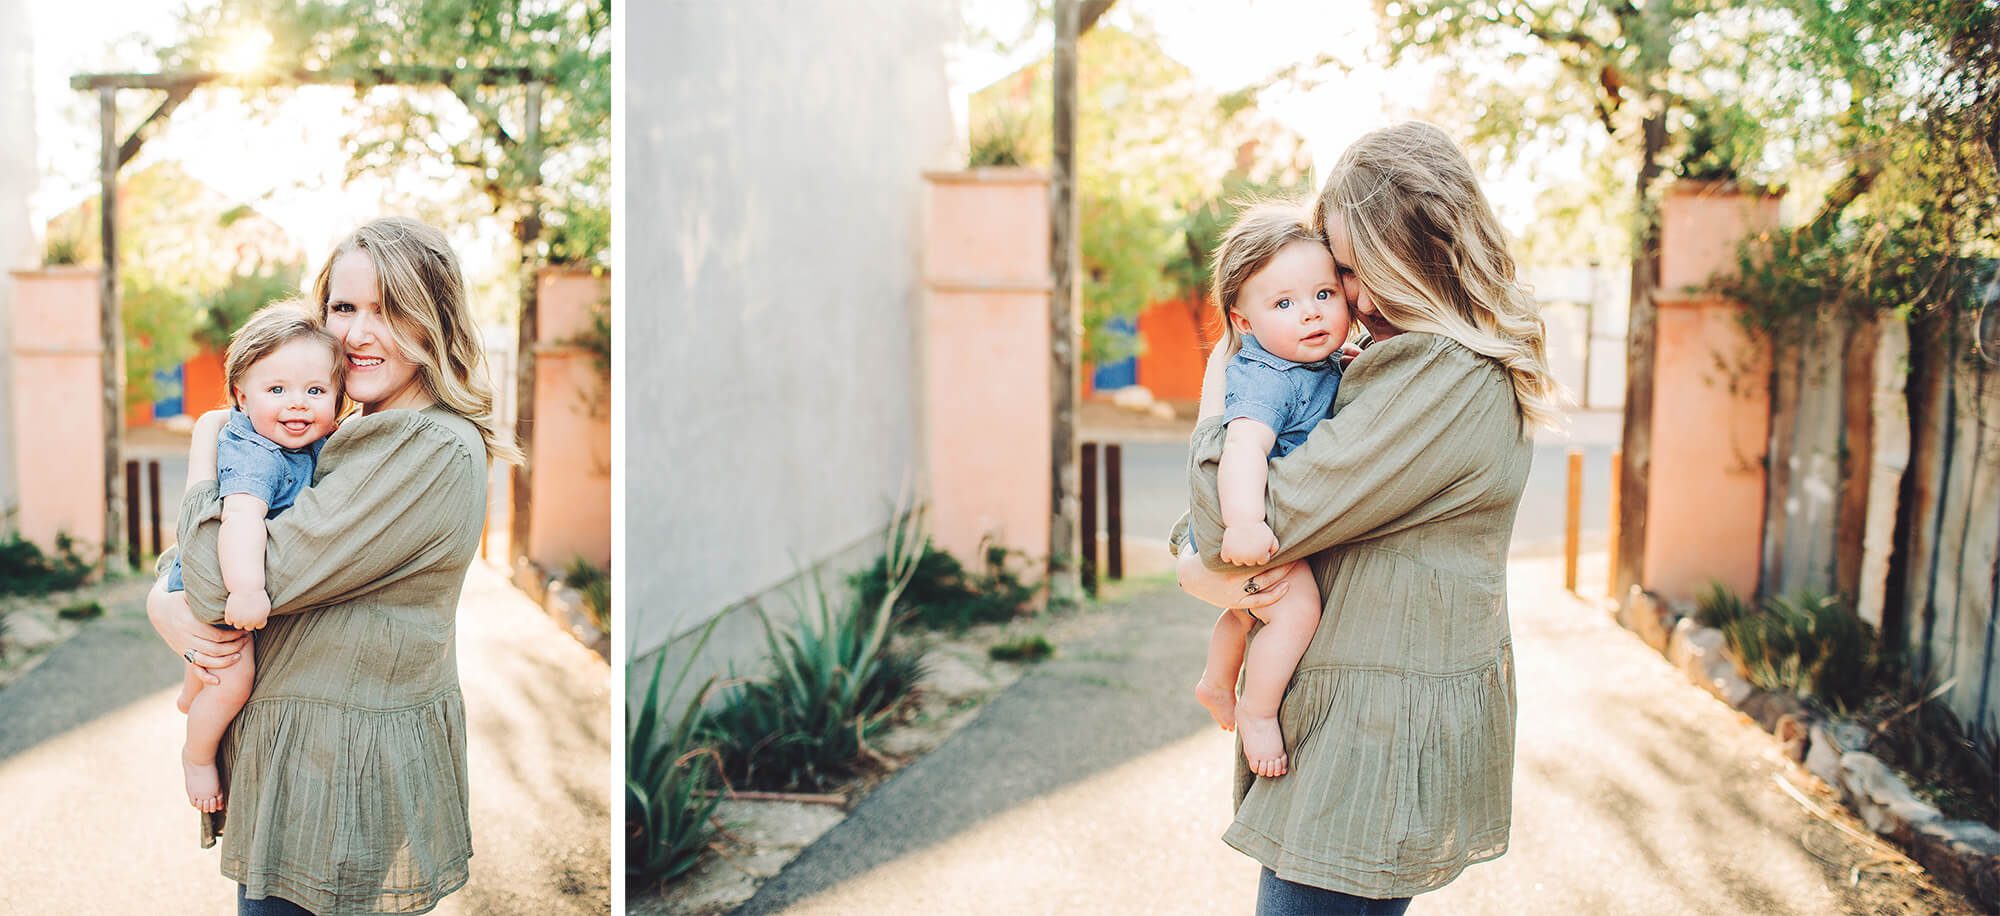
(1963, 855)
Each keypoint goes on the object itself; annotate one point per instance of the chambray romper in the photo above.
(246, 462)
(1286, 396)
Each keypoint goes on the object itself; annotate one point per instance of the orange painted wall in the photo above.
(570, 476)
(201, 383)
(1172, 364)
(985, 334)
(57, 405)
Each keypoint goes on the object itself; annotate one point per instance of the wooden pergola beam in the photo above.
(340, 76)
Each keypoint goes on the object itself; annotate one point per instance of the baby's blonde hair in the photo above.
(270, 328)
(423, 300)
(1261, 230)
(1433, 258)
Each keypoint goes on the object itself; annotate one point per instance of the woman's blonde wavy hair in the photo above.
(1433, 258)
(423, 300)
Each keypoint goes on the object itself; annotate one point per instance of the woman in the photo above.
(1400, 718)
(345, 775)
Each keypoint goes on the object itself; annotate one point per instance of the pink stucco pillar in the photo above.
(571, 474)
(985, 333)
(1711, 400)
(58, 408)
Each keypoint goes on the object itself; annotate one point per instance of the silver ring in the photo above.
(1250, 586)
(189, 655)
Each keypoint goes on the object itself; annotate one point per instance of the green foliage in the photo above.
(252, 287)
(670, 779)
(566, 41)
(596, 339)
(1806, 643)
(1032, 648)
(1957, 771)
(62, 250)
(26, 570)
(1719, 607)
(942, 594)
(82, 610)
(595, 585)
(1000, 140)
(835, 681)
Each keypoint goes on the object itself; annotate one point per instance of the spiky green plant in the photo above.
(834, 682)
(1808, 644)
(670, 779)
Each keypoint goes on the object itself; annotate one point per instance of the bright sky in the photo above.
(291, 167)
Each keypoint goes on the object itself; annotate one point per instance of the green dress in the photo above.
(1400, 719)
(345, 774)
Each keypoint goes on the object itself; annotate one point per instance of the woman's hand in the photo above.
(1247, 590)
(205, 646)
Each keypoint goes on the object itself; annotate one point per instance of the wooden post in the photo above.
(1114, 511)
(1573, 519)
(1063, 326)
(1640, 347)
(1611, 571)
(527, 327)
(1089, 523)
(112, 329)
(132, 513)
(153, 501)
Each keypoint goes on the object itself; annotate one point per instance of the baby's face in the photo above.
(289, 395)
(1293, 305)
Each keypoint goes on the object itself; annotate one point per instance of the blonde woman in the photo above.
(1399, 722)
(345, 775)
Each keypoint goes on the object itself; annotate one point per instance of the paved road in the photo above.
(90, 774)
(1096, 785)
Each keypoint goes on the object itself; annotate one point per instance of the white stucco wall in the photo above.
(773, 194)
(17, 181)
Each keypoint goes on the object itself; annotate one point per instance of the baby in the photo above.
(1280, 301)
(283, 374)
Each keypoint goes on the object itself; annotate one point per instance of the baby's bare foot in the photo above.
(1221, 703)
(204, 784)
(1263, 744)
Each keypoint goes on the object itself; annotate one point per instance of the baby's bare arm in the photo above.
(1245, 463)
(240, 545)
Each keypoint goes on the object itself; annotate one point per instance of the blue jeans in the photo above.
(268, 906)
(1278, 897)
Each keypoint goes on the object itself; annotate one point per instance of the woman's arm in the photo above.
(399, 492)
(1407, 436)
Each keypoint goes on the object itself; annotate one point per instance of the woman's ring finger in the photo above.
(1250, 586)
(189, 655)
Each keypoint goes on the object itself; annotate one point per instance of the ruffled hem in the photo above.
(1398, 781)
(345, 810)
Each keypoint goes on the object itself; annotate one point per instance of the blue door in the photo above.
(1125, 372)
(167, 390)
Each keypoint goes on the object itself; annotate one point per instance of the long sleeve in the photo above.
(392, 496)
(1421, 408)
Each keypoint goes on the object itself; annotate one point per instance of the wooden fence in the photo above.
(1884, 486)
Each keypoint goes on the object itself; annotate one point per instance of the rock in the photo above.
(1163, 410)
(950, 677)
(1794, 733)
(1769, 708)
(1133, 397)
(1643, 614)
(1700, 653)
(1849, 736)
(1823, 756)
(28, 632)
(1960, 854)
(1880, 797)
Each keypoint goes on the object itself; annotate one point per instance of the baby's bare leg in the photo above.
(191, 684)
(208, 716)
(1217, 687)
(1273, 656)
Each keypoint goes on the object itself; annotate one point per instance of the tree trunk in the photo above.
(1064, 587)
(1639, 349)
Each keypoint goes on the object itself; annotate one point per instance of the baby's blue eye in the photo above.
(1324, 294)
(1285, 303)
(276, 389)
(315, 390)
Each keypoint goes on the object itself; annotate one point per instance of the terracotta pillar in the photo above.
(58, 412)
(985, 332)
(571, 473)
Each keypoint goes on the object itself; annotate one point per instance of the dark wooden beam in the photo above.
(340, 76)
(1088, 15)
(150, 126)
(1064, 544)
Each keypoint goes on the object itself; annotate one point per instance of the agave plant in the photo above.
(670, 778)
(833, 684)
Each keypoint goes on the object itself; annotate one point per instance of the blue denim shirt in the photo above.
(1289, 397)
(246, 462)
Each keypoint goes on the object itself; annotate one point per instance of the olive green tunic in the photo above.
(345, 774)
(1400, 719)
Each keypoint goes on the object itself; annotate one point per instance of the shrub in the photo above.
(670, 777)
(26, 570)
(834, 683)
(595, 586)
(943, 595)
(1805, 643)
(82, 610)
(1957, 772)
(1024, 649)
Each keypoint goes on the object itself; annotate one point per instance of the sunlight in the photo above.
(245, 51)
